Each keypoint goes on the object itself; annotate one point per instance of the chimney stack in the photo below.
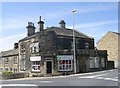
(40, 24)
(31, 29)
(15, 45)
(62, 24)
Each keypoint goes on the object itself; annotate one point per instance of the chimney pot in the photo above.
(40, 24)
(40, 18)
(62, 24)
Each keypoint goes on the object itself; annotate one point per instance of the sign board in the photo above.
(64, 57)
(36, 58)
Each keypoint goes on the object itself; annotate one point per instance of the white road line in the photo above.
(46, 81)
(98, 77)
(111, 79)
(18, 85)
(93, 76)
(92, 73)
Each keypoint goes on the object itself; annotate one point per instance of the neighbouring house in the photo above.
(50, 51)
(110, 42)
(9, 60)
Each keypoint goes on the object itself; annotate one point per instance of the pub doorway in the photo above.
(49, 66)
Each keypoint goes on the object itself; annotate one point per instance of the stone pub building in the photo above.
(50, 51)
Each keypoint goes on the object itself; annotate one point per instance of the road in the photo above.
(101, 78)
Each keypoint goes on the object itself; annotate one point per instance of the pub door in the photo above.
(49, 67)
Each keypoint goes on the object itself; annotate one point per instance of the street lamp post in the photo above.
(74, 56)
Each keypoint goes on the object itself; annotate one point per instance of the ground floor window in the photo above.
(22, 64)
(1, 69)
(35, 65)
(15, 70)
(103, 62)
(91, 62)
(6, 69)
(97, 62)
(94, 62)
(65, 63)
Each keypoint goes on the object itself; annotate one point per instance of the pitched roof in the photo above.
(62, 32)
(9, 52)
(29, 37)
(67, 32)
(115, 33)
(109, 33)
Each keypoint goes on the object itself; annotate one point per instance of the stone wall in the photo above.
(110, 43)
(13, 76)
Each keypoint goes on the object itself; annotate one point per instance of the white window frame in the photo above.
(103, 62)
(65, 58)
(15, 60)
(91, 62)
(97, 62)
(36, 65)
(35, 59)
(34, 47)
(86, 45)
(94, 62)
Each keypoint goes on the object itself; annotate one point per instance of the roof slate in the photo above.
(62, 32)
(67, 32)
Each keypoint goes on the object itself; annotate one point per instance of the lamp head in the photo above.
(74, 10)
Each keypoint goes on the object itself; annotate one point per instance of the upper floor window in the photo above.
(34, 47)
(86, 45)
(1, 60)
(15, 60)
(22, 49)
(6, 60)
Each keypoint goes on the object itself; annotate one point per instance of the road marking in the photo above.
(18, 85)
(90, 73)
(93, 76)
(98, 77)
(111, 79)
(46, 81)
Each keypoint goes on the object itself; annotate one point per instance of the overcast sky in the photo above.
(92, 18)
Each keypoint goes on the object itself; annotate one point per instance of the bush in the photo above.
(7, 73)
